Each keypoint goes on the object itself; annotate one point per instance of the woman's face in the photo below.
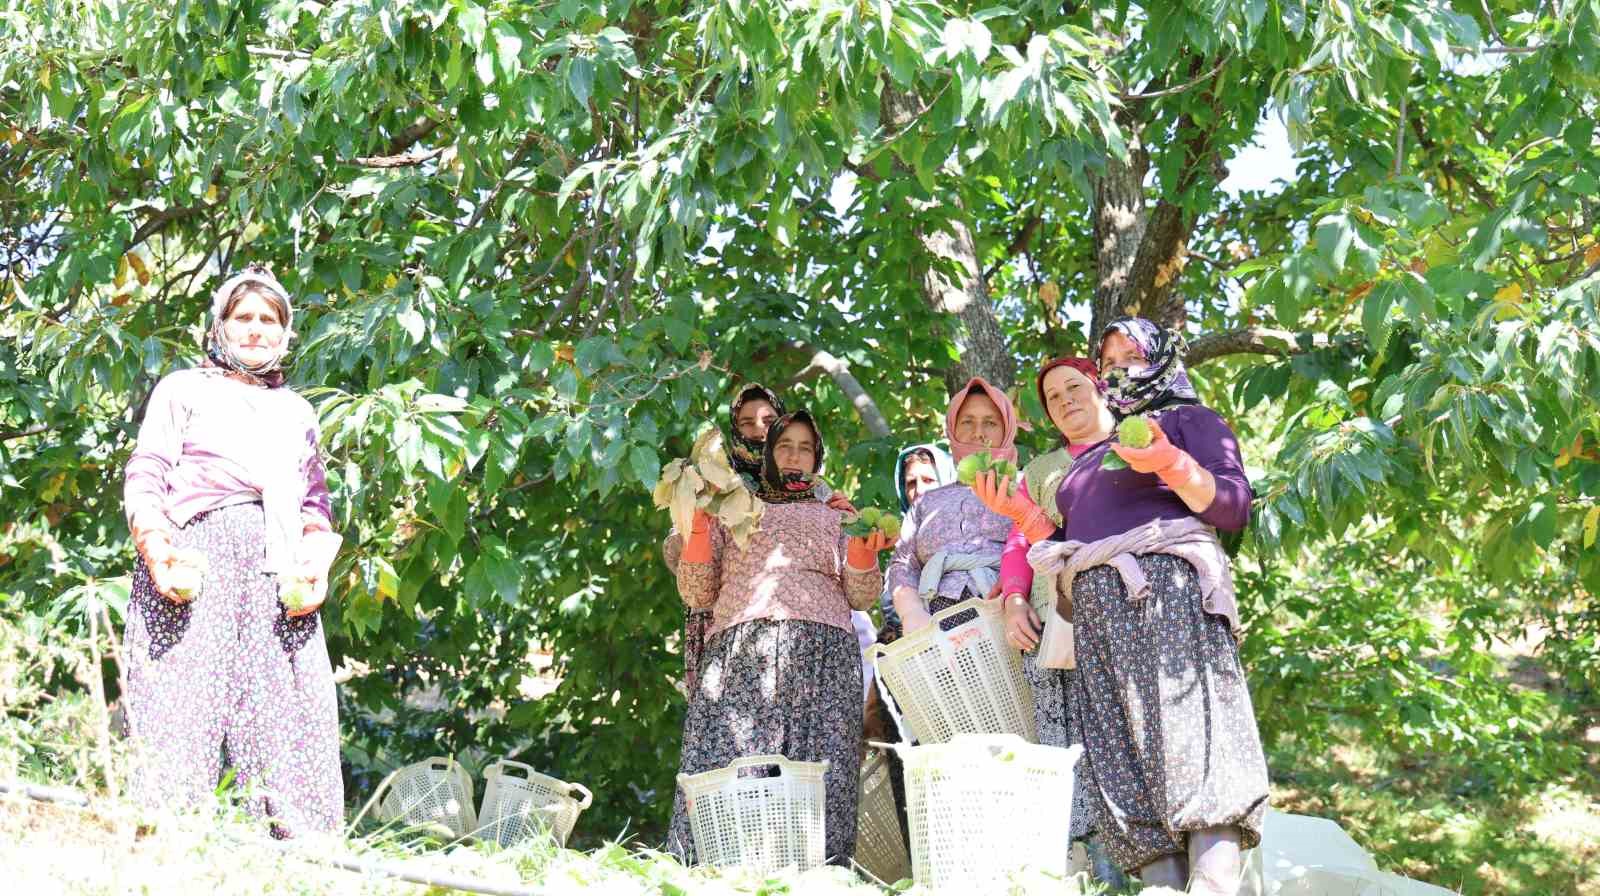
(754, 419)
(253, 328)
(796, 450)
(1075, 405)
(979, 421)
(920, 478)
(1119, 351)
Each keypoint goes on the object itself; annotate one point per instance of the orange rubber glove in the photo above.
(1174, 465)
(861, 554)
(1013, 501)
(697, 547)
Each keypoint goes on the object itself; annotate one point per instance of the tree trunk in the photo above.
(1120, 221)
(982, 344)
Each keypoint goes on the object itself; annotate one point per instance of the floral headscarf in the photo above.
(776, 487)
(220, 352)
(1160, 385)
(745, 454)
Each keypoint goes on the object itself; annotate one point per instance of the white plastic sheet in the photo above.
(1305, 856)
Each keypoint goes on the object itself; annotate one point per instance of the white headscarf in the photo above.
(220, 349)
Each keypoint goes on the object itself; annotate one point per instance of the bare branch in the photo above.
(1191, 83)
(7, 435)
(1262, 341)
(1017, 244)
(163, 217)
(404, 160)
(839, 370)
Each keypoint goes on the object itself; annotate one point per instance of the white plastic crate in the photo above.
(968, 680)
(766, 822)
(435, 791)
(519, 802)
(880, 843)
(983, 807)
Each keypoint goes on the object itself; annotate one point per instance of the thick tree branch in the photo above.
(839, 370)
(1262, 341)
(410, 135)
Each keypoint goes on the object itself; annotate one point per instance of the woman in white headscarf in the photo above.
(227, 504)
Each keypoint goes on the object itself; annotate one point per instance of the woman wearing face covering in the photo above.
(781, 672)
(1179, 776)
(1069, 391)
(750, 415)
(950, 544)
(226, 501)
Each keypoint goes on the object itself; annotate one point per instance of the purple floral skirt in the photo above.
(228, 681)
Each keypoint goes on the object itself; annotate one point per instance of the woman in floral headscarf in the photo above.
(1179, 777)
(228, 509)
(751, 413)
(781, 672)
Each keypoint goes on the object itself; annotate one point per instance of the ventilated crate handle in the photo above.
(764, 759)
(968, 604)
(506, 764)
(588, 798)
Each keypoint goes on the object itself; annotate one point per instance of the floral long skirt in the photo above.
(1168, 728)
(778, 686)
(230, 681)
(1056, 719)
(695, 625)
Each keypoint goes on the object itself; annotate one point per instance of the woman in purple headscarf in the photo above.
(1178, 772)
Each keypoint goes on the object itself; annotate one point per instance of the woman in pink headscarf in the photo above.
(950, 544)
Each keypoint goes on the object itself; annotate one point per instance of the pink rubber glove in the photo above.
(1016, 576)
(1174, 465)
(697, 547)
(861, 554)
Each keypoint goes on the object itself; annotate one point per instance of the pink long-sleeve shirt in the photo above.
(1041, 478)
(792, 568)
(210, 441)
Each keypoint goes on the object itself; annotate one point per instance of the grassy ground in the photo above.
(111, 849)
(1434, 820)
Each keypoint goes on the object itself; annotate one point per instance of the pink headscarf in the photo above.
(1007, 449)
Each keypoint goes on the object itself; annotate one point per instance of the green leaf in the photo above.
(1375, 310)
(646, 465)
(580, 79)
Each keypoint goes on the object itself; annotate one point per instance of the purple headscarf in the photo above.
(1161, 384)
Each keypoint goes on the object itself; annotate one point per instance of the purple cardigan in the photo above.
(1097, 503)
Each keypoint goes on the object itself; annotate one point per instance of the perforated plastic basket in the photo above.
(519, 802)
(762, 812)
(880, 844)
(435, 791)
(983, 807)
(967, 680)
